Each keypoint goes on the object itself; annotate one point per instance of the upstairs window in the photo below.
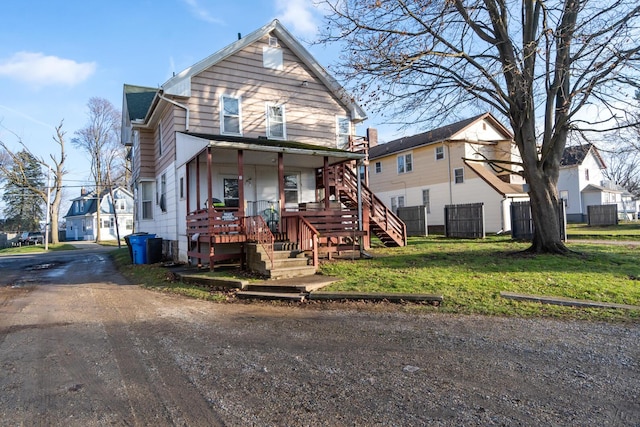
(458, 175)
(440, 153)
(586, 174)
(159, 130)
(378, 167)
(275, 122)
(230, 116)
(344, 132)
(405, 163)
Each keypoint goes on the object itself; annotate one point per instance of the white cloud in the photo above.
(43, 70)
(299, 15)
(201, 13)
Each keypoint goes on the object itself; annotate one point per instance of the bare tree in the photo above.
(12, 168)
(538, 64)
(99, 139)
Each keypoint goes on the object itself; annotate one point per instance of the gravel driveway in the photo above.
(83, 348)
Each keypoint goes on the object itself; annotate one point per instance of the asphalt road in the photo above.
(79, 346)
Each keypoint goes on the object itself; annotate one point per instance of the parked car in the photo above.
(31, 238)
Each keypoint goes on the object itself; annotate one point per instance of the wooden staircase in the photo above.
(382, 222)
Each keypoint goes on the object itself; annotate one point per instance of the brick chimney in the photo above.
(83, 192)
(372, 137)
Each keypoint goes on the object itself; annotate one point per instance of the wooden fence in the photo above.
(464, 221)
(602, 215)
(522, 227)
(415, 219)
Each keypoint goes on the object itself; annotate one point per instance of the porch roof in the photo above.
(264, 145)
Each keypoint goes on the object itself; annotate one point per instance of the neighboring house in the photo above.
(447, 166)
(582, 183)
(82, 218)
(257, 133)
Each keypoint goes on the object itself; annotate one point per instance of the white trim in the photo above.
(223, 131)
(269, 118)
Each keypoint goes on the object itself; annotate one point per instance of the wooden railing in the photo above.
(294, 224)
(379, 212)
(210, 222)
(258, 231)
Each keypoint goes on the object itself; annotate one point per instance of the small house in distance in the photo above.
(451, 165)
(82, 217)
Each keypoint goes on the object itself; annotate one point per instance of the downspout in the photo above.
(177, 104)
(449, 169)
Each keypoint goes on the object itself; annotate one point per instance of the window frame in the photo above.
(377, 167)
(271, 122)
(458, 178)
(439, 152)
(340, 136)
(426, 201)
(407, 166)
(223, 129)
(146, 200)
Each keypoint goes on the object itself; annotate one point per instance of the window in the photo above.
(275, 122)
(120, 204)
(147, 199)
(230, 118)
(458, 175)
(159, 137)
(231, 195)
(426, 202)
(378, 167)
(163, 192)
(105, 222)
(181, 187)
(129, 224)
(291, 189)
(586, 174)
(439, 152)
(273, 41)
(405, 163)
(344, 132)
(397, 202)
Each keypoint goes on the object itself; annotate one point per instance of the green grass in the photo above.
(622, 231)
(156, 278)
(36, 248)
(471, 274)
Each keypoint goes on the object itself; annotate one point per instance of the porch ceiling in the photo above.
(265, 151)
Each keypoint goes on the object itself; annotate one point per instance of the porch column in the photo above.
(240, 183)
(209, 179)
(187, 180)
(281, 182)
(197, 182)
(325, 182)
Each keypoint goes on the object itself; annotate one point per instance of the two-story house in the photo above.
(582, 183)
(252, 144)
(82, 216)
(470, 161)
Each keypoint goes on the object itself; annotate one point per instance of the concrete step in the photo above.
(271, 295)
(291, 272)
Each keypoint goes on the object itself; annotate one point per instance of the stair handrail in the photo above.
(258, 231)
(392, 221)
(307, 236)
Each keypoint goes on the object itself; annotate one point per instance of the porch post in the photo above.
(281, 182)
(197, 182)
(240, 183)
(209, 177)
(325, 182)
(186, 176)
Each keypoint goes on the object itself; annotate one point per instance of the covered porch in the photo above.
(269, 194)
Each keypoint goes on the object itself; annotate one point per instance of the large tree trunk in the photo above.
(541, 171)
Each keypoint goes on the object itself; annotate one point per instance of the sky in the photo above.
(57, 54)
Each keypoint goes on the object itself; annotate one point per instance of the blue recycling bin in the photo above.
(139, 246)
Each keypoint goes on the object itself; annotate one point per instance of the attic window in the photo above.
(272, 55)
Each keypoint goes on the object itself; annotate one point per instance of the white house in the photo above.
(82, 218)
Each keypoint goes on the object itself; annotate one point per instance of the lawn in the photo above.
(470, 274)
(35, 248)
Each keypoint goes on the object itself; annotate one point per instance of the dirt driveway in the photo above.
(80, 347)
